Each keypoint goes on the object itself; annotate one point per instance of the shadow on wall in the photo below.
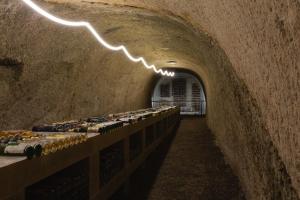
(10, 68)
(10, 73)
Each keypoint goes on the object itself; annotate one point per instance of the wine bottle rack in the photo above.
(112, 162)
(71, 183)
(150, 135)
(159, 129)
(102, 163)
(135, 145)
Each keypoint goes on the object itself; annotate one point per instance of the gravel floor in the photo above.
(187, 167)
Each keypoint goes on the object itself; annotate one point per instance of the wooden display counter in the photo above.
(135, 142)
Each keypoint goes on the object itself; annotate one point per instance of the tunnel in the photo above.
(236, 85)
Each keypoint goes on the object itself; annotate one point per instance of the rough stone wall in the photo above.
(236, 118)
(262, 41)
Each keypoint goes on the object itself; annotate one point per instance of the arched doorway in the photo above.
(184, 90)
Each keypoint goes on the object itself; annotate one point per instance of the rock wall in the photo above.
(236, 119)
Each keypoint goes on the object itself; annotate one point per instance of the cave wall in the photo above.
(237, 121)
(261, 40)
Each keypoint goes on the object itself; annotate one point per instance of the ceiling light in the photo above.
(172, 62)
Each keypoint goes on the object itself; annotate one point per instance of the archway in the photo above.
(184, 90)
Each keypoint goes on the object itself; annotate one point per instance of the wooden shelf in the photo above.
(18, 173)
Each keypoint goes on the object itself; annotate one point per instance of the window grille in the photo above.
(165, 90)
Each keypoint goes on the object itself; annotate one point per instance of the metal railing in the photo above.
(186, 107)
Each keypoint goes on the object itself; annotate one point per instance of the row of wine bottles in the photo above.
(101, 124)
(30, 144)
(49, 138)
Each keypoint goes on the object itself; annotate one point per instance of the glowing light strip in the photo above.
(97, 36)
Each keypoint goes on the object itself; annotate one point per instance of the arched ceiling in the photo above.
(159, 38)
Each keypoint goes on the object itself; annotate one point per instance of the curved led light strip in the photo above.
(96, 35)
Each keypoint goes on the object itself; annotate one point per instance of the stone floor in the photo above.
(187, 167)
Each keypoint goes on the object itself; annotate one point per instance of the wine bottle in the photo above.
(36, 144)
(38, 149)
(21, 149)
(56, 127)
(96, 119)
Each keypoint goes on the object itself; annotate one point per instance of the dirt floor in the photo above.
(187, 167)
